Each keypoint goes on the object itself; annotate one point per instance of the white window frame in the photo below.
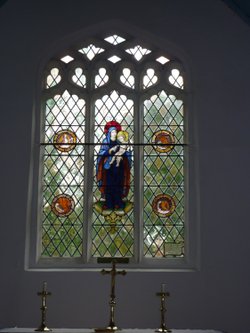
(190, 261)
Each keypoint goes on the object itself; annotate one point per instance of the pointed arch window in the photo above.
(113, 155)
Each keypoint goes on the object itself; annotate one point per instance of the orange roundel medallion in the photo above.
(163, 141)
(163, 205)
(62, 205)
(64, 140)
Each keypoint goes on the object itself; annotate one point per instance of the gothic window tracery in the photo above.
(113, 153)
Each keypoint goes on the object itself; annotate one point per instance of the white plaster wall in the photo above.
(217, 43)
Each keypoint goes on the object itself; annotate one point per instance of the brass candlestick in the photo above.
(163, 296)
(44, 293)
(112, 303)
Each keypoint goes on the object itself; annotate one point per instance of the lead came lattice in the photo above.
(117, 80)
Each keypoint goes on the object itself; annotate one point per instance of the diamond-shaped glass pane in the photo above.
(113, 231)
(163, 176)
(163, 241)
(163, 112)
(67, 59)
(114, 59)
(63, 177)
(162, 60)
(115, 39)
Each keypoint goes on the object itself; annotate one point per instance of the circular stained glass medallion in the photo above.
(163, 205)
(63, 205)
(64, 140)
(163, 140)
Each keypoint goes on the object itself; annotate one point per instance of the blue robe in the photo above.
(113, 181)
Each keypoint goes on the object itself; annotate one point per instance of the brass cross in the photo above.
(113, 272)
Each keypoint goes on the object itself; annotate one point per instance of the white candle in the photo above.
(163, 287)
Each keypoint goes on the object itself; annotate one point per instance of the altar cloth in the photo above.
(91, 330)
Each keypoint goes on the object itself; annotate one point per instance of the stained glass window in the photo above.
(112, 147)
(164, 176)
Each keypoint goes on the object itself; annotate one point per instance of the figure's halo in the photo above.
(112, 123)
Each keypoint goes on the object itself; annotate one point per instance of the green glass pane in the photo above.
(63, 175)
(106, 243)
(163, 177)
(162, 242)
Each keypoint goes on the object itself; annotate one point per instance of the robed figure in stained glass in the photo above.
(113, 167)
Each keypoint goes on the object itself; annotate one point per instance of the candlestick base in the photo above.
(107, 329)
(43, 329)
(163, 330)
